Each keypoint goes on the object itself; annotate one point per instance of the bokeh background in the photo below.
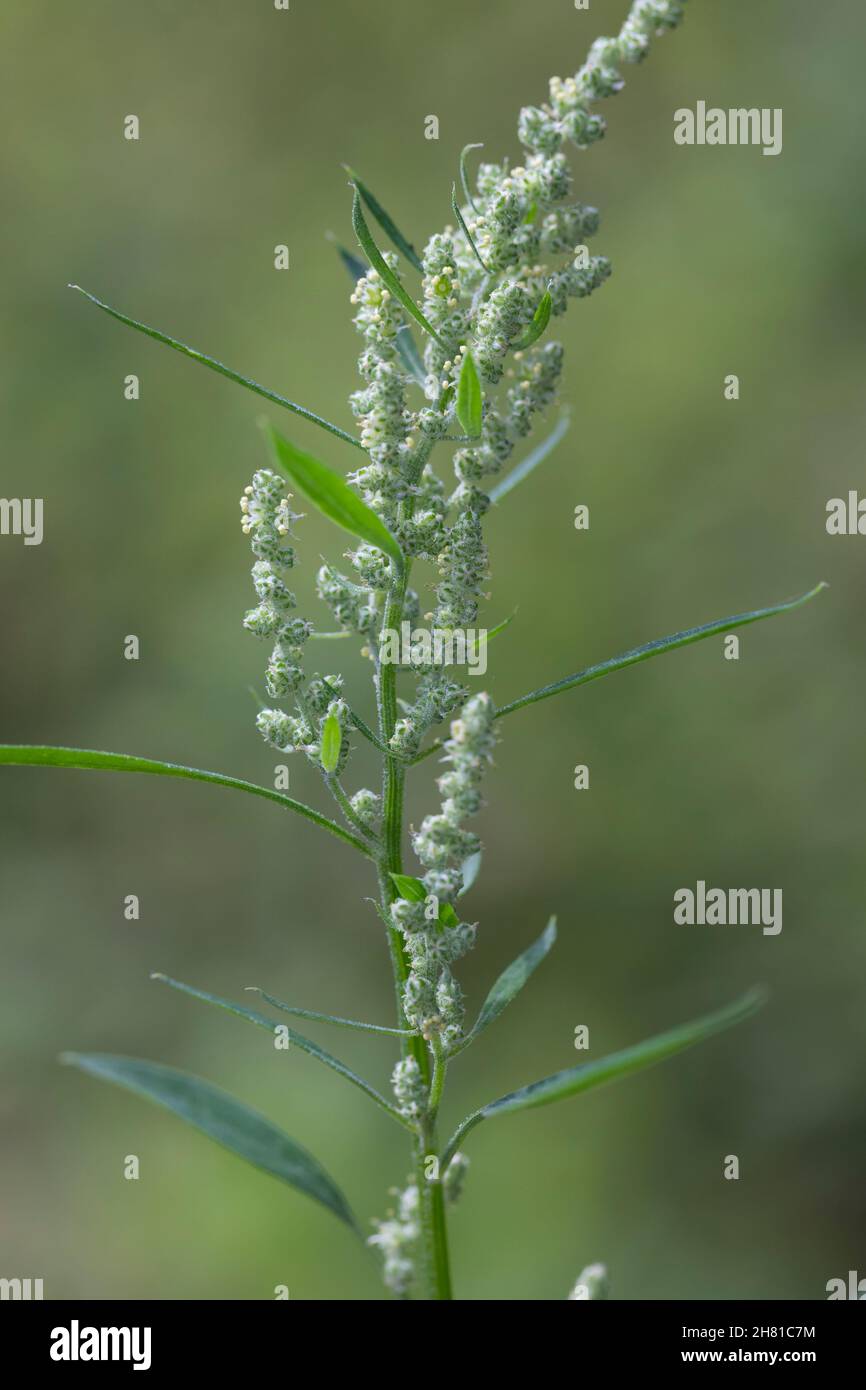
(741, 773)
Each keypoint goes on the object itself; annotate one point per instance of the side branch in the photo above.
(87, 759)
(661, 644)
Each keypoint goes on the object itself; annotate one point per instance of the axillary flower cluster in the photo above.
(488, 287)
(518, 246)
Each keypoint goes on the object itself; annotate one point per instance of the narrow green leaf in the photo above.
(469, 399)
(331, 494)
(464, 178)
(295, 1039)
(88, 759)
(455, 208)
(589, 1074)
(235, 1126)
(332, 742)
(331, 1018)
(356, 720)
(353, 264)
(540, 320)
(410, 355)
(531, 462)
(511, 982)
(662, 644)
(470, 870)
(221, 368)
(378, 262)
(388, 225)
(413, 890)
(405, 343)
(500, 627)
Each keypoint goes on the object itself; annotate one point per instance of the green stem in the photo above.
(441, 1263)
(434, 1235)
(434, 1238)
(437, 1083)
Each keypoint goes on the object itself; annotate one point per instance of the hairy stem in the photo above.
(433, 1238)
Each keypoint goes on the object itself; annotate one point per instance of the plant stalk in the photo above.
(433, 1231)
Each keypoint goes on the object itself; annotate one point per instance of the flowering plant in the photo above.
(491, 283)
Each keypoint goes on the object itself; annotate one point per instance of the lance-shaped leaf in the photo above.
(332, 742)
(540, 320)
(414, 891)
(455, 208)
(386, 222)
(500, 627)
(469, 399)
(330, 1018)
(221, 368)
(531, 462)
(464, 178)
(410, 355)
(353, 264)
(378, 262)
(574, 1080)
(331, 494)
(235, 1126)
(355, 719)
(295, 1039)
(91, 760)
(470, 870)
(405, 343)
(511, 982)
(661, 644)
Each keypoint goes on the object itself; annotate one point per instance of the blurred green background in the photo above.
(740, 773)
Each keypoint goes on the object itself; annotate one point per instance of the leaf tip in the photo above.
(755, 998)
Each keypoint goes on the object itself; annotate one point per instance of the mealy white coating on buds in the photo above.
(409, 1090)
(482, 287)
(267, 519)
(432, 997)
(397, 1236)
(366, 806)
(397, 1239)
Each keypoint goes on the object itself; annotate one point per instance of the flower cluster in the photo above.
(397, 1236)
(520, 237)
(434, 936)
(267, 519)
(380, 406)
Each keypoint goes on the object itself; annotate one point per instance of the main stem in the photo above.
(433, 1231)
